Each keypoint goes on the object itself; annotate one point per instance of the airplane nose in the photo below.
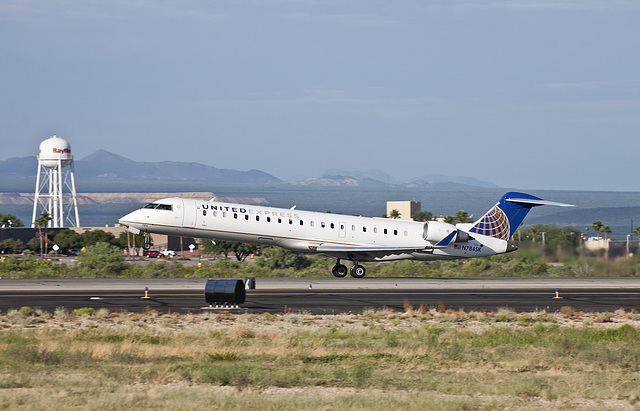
(129, 221)
(125, 218)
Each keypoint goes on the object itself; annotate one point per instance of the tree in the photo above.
(67, 239)
(11, 246)
(637, 231)
(276, 257)
(40, 222)
(422, 216)
(127, 239)
(565, 238)
(395, 214)
(102, 260)
(10, 220)
(449, 219)
(597, 226)
(98, 236)
(462, 216)
(241, 250)
(606, 230)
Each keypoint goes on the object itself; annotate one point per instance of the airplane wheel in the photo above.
(146, 246)
(358, 271)
(339, 270)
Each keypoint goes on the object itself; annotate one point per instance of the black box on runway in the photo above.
(224, 292)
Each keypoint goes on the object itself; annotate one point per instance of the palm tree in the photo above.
(40, 222)
(637, 231)
(606, 230)
(462, 216)
(395, 214)
(449, 219)
(597, 226)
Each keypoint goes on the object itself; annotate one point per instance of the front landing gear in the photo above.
(147, 241)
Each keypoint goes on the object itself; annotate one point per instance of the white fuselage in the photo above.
(352, 237)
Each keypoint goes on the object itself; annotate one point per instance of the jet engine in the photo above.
(436, 231)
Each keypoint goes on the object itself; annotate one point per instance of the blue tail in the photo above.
(505, 217)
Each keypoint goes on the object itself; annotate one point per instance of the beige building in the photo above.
(407, 209)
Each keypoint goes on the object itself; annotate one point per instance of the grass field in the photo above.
(417, 359)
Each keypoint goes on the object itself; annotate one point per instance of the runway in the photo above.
(330, 295)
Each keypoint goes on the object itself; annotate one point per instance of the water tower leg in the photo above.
(74, 193)
(36, 197)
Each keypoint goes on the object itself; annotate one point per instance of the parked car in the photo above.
(168, 253)
(153, 253)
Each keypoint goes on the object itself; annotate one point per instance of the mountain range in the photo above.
(104, 165)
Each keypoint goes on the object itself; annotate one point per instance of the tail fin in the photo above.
(505, 217)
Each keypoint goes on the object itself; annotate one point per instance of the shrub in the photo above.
(80, 312)
(101, 260)
(27, 312)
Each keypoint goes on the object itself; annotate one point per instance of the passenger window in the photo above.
(301, 222)
(257, 218)
(333, 226)
(268, 219)
(290, 221)
(215, 213)
(385, 231)
(375, 230)
(364, 229)
(224, 214)
(406, 233)
(395, 232)
(246, 217)
(204, 212)
(311, 224)
(322, 225)
(235, 215)
(353, 228)
(279, 220)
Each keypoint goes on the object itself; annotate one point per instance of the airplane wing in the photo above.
(365, 252)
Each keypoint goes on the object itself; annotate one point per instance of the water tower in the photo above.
(56, 184)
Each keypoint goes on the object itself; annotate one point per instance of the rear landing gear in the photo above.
(357, 271)
(339, 270)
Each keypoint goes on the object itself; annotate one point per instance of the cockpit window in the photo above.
(156, 206)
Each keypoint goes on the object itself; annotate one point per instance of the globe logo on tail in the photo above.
(494, 224)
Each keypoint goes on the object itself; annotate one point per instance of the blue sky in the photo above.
(525, 94)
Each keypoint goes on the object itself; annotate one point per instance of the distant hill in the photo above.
(105, 165)
(338, 181)
(335, 177)
(438, 179)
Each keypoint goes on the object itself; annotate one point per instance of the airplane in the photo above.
(342, 237)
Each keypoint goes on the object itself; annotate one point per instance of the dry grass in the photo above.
(427, 358)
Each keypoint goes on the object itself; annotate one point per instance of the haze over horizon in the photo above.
(529, 95)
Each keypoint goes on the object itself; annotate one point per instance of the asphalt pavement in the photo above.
(329, 295)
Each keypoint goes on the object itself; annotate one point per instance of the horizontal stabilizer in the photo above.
(447, 240)
(536, 202)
